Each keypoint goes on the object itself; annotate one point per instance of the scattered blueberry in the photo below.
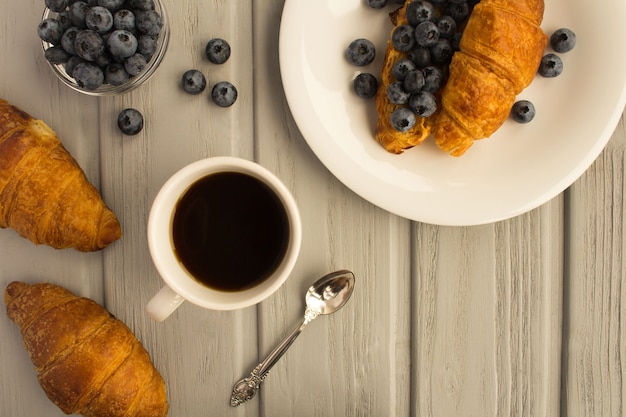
(135, 64)
(426, 34)
(401, 68)
(99, 19)
(397, 94)
(365, 85)
(523, 111)
(49, 30)
(88, 75)
(361, 52)
(124, 19)
(122, 44)
(149, 22)
(56, 55)
(224, 94)
(57, 5)
(88, 44)
(403, 38)
(414, 81)
(433, 79)
(130, 121)
(402, 119)
(115, 74)
(424, 104)
(217, 51)
(563, 40)
(420, 11)
(193, 82)
(377, 4)
(551, 66)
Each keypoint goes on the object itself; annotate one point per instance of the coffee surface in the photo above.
(230, 231)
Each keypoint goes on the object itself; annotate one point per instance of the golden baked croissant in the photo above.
(88, 362)
(501, 49)
(44, 194)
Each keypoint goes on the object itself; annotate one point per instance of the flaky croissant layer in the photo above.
(44, 194)
(88, 362)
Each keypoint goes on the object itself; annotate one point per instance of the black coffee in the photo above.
(230, 231)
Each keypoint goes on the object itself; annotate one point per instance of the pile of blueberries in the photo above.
(429, 40)
(101, 41)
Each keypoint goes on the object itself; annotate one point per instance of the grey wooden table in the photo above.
(523, 317)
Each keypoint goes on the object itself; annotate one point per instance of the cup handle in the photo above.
(163, 304)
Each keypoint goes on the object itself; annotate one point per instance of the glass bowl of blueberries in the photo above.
(104, 47)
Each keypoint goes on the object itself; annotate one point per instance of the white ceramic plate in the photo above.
(519, 168)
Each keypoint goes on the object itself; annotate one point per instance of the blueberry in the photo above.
(361, 52)
(403, 38)
(88, 45)
(122, 44)
(401, 68)
(146, 45)
(99, 19)
(426, 34)
(523, 111)
(135, 64)
(420, 56)
(148, 22)
(49, 30)
(57, 5)
(397, 94)
(441, 52)
(433, 79)
(402, 119)
(111, 5)
(124, 19)
(115, 74)
(459, 11)
(77, 13)
(447, 26)
(224, 94)
(68, 39)
(377, 4)
(103, 60)
(365, 85)
(141, 4)
(130, 121)
(551, 66)
(414, 81)
(56, 55)
(455, 42)
(217, 50)
(88, 75)
(424, 104)
(64, 20)
(71, 64)
(420, 11)
(193, 82)
(563, 40)
(439, 3)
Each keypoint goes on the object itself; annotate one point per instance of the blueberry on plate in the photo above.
(563, 40)
(402, 119)
(88, 75)
(551, 66)
(217, 50)
(365, 85)
(523, 111)
(224, 94)
(130, 121)
(193, 82)
(361, 52)
(424, 104)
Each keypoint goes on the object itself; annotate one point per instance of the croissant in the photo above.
(500, 52)
(44, 194)
(501, 49)
(88, 362)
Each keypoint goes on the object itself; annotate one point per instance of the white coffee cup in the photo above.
(180, 284)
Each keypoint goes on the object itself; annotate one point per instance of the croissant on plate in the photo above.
(500, 51)
(44, 194)
(88, 362)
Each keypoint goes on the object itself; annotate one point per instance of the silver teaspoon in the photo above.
(327, 295)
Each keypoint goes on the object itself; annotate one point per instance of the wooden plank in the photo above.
(487, 317)
(594, 331)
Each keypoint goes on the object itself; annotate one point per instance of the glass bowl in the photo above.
(134, 81)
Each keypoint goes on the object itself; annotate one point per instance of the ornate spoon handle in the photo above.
(246, 388)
